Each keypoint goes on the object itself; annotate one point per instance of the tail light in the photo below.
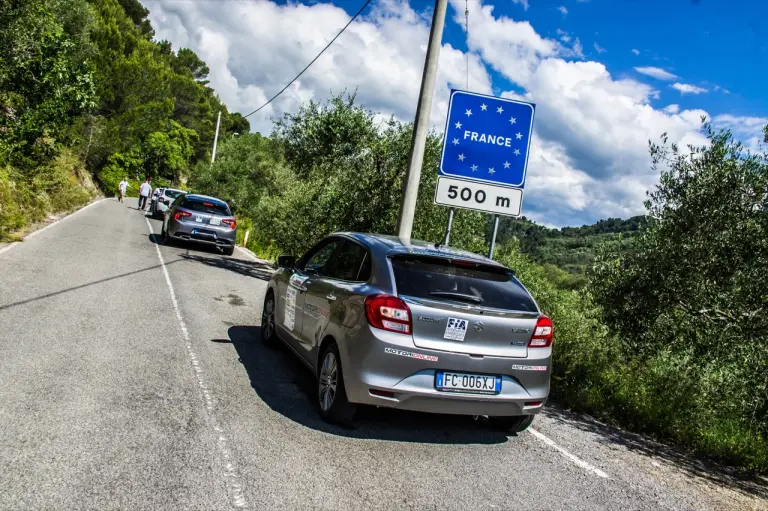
(229, 221)
(388, 313)
(542, 334)
(181, 214)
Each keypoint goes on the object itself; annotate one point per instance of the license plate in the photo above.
(464, 382)
(215, 221)
(199, 219)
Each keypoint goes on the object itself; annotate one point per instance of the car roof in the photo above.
(391, 245)
(173, 190)
(196, 197)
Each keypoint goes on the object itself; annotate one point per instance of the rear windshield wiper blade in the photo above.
(457, 296)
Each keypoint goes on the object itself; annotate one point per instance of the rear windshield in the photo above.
(172, 194)
(460, 281)
(205, 207)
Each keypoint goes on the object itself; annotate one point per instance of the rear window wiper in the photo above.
(457, 296)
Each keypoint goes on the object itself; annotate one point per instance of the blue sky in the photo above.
(606, 75)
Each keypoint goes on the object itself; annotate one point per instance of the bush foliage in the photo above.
(666, 334)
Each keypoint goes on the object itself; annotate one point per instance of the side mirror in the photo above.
(286, 261)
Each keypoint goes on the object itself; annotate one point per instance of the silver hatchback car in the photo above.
(200, 219)
(409, 325)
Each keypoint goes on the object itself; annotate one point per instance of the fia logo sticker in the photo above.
(456, 329)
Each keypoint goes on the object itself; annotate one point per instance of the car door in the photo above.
(307, 273)
(327, 298)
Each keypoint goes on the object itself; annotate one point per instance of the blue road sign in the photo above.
(487, 139)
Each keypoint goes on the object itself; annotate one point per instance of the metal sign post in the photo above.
(493, 236)
(485, 154)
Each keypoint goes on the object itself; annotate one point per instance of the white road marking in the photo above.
(247, 252)
(35, 233)
(250, 254)
(583, 464)
(10, 246)
(231, 473)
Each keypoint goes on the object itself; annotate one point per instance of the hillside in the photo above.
(572, 249)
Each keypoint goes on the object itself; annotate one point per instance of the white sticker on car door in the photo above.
(298, 281)
(289, 316)
(456, 329)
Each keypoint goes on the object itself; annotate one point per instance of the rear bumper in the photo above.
(188, 231)
(376, 360)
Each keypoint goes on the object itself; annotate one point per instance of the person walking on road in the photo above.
(144, 190)
(122, 187)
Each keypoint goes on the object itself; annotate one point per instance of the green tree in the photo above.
(345, 172)
(187, 61)
(167, 153)
(247, 167)
(45, 75)
(692, 289)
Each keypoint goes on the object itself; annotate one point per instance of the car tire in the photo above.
(268, 322)
(515, 424)
(332, 399)
(228, 251)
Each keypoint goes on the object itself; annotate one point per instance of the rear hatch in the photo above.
(170, 195)
(205, 214)
(464, 306)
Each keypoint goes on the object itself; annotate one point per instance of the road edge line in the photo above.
(35, 233)
(10, 246)
(248, 253)
(576, 460)
(232, 477)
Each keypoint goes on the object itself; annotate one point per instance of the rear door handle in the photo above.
(331, 297)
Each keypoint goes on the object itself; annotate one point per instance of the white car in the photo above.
(164, 200)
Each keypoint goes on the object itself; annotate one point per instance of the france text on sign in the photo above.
(487, 139)
(459, 193)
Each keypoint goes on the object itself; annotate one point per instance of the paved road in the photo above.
(132, 378)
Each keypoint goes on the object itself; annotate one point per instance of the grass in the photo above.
(30, 196)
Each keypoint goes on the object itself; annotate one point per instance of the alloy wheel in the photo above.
(328, 379)
(268, 318)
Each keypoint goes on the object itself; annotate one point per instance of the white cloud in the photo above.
(563, 9)
(635, 51)
(672, 109)
(656, 72)
(578, 49)
(591, 128)
(524, 3)
(721, 89)
(374, 56)
(599, 48)
(687, 88)
(589, 154)
(748, 130)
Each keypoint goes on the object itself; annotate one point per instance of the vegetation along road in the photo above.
(133, 378)
(131, 374)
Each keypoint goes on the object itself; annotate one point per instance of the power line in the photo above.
(313, 60)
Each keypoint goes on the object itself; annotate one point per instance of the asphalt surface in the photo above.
(133, 378)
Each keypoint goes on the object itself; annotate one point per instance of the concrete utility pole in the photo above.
(216, 138)
(421, 124)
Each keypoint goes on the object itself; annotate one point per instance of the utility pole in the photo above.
(451, 211)
(421, 124)
(216, 138)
